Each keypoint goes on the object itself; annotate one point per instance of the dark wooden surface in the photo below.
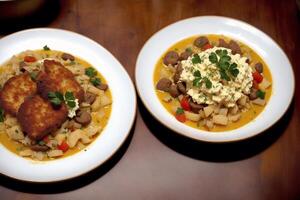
(155, 163)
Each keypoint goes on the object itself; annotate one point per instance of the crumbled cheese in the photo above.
(227, 93)
(72, 111)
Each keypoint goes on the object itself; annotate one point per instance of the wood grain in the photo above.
(155, 163)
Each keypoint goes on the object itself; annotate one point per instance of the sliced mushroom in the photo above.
(181, 87)
(259, 67)
(174, 91)
(66, 56)
(223, 43)
(235, 48)
(171, 58)
(102, 86)
(164, 84)
(72, 125)
(253, 94)
(38, 147)
(185, 55)
(195, 107)
(201, 41)
(83, 118)
(178, 72)
(89, 97)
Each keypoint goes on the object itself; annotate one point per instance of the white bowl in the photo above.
(272, 54)
(118, 126)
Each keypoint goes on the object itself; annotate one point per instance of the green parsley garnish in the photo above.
(196, 59)
(70, 99)
(1, 115)
(197, 74)
(46, 48)
(179, 111)
(208, 83)
(189, 49)
(197, 81)
(33, 75)
(95, 81)
(227, 70)
(56, 98)
(90, 72)
(260, 94)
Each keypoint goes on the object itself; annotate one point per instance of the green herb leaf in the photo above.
(197, 74)
(56, 98)
(41, 142)
(179, 111)
(213, 58)
(95, 81)
(261, 94)
(69, 96)
(33, 75)
(196, 59)
(208, 83)
(224, 75)
(197, 82)
(46, 48)
(189, 49)
(91, 72)
(71, 104)
(1, 115)
(233, 70)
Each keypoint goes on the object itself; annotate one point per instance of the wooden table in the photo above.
(155, 163)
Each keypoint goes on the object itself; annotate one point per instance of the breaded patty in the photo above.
(58, 78)
(38, 117)
(15, 91)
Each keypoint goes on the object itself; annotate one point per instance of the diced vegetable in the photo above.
(55, 153)
(264, 84)
(185, 104)
(260, 94)
(260, 102)
(29, 59)
(208, 110)
(235, 117)
(192, 116)
(220, 119)
(223, 111)
(207, 46)
(63, 146)
(179, 115)
(257, 77)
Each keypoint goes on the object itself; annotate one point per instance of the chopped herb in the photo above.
(46, 48)
(261, 94)
(233, 70)
(208, 83)
(95, 81)
(179, 111)
(91, 72)
(224, 75)
(196, 59)
(41, 142)
(56, 98)
(70, 99)
(213, 58)
(33, 75)
(197, 74)
(221, 52)
(197, 82)
(1, 115)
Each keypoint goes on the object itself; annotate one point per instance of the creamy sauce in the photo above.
(247, 116)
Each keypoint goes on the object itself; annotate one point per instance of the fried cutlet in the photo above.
(15, 91)
(57, 78)
(38, 117)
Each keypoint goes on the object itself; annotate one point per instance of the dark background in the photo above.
(156, 163)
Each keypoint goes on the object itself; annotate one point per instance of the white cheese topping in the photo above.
(72, 111)
(224, 92)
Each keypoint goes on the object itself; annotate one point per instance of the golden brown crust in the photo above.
(38, 117)
(15, 91)
(58, 78)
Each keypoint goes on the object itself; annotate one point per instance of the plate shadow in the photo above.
(216, 152)
(70, 184)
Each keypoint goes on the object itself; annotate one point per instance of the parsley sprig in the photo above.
(91, 72)
(57, 98)
(196, 59)
(199, 80)
(46, 48)
(227, 70)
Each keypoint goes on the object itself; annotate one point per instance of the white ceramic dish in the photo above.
(117, 128)
(281, 70)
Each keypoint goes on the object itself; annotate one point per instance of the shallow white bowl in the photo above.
(117, 128)
(281, 70)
